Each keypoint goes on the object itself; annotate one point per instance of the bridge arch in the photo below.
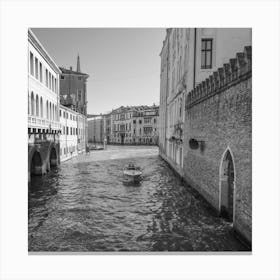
(36, 163)
(53, 156)
(227, 185)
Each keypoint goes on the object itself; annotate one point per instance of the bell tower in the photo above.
(78, 64)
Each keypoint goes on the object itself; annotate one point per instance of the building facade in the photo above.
(95, 129)
(73, 89)
(218, 133)
(188, 56)
(135, 125)
(73, 95)
(43, 104)
(73, 130)
(192, 59)
(69, 133)
(107, 122)
(174, 57)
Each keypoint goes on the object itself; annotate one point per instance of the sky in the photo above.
(123, 63)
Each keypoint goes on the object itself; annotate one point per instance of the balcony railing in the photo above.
(42, 123)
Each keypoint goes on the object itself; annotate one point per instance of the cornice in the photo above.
(39, 47)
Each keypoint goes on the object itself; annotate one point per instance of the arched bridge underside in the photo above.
(42, 156)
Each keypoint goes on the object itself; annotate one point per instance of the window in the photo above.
(36, 67)
(47, 78)
(67, 130)
(79, 78)
(31, 64)
(206, 53)
(50, 80)
(147, 120)
(140, 121)
(147, 130)
(37, 105)
(60, 113)
(28, 103)
(62, 77)
(50, 112)
(32, 104)
(41, 107)
(55, 86)
(52, 83)
(79, 95)
(47, 109)
(41, 73)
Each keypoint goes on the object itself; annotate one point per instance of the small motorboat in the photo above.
(132, 173)
(96, 148)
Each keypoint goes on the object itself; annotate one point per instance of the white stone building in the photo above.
(69, 133)
(43, 87)
(43, 103)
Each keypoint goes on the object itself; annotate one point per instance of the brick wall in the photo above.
(219, 117)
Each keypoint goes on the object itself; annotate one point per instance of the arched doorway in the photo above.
(53, 157)
(227, 185)
(36, 164)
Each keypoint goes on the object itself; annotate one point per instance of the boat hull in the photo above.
(133, 176)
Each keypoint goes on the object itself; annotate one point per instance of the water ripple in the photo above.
(84, 205)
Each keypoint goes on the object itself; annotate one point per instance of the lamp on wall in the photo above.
(195, 144)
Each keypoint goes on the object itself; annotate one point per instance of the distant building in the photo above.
(73, 95)
(135, 125)
(107, 121)
(69, 133)
(82, 133)
(73, 89)
(95, 129)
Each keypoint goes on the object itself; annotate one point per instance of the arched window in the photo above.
(28, 103)
(32, 104)
(37, 105)
(53, 112)
(41, 107)
(56, 116)
(50, 111)
(47, 109)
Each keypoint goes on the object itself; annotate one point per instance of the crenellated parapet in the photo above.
(237, 70)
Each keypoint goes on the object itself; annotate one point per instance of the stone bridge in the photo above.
(43, 153)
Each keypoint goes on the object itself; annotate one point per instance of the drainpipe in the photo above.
(194, 66)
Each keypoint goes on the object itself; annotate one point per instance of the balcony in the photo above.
(37, 122)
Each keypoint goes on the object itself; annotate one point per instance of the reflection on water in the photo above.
(85, 206)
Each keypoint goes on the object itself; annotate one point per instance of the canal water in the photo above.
(84, 206)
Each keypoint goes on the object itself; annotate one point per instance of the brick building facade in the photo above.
(218, 146)
(73, 89)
